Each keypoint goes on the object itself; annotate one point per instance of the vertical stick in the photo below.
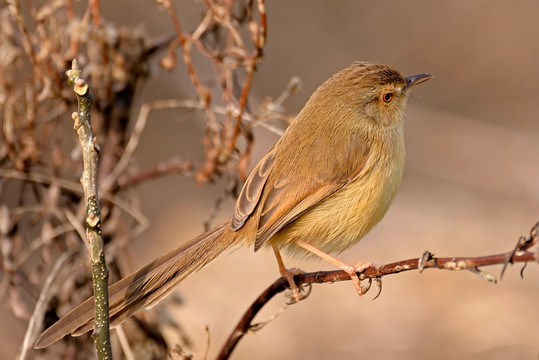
(90, 155)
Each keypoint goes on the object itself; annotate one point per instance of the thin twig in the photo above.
(124, 343)
(75, 188)
(90, 154)
(38, 242)
(134, 139)
(28, 250)
(39, 309)
(95, 11)
(75, 223)
(281, 284)
(172, 166)
(42, 179)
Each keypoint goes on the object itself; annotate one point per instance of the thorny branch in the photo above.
(518, 254)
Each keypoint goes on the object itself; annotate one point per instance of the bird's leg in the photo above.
(288, 274)
(351, 270)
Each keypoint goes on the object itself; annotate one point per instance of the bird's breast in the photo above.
(342, 219)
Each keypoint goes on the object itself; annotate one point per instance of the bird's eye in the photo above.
(387, 97)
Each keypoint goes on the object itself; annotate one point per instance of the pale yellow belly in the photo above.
(344, 218)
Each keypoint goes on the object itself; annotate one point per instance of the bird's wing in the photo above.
(285, 186)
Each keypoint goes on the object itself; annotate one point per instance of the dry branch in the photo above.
(90, 155)
(518, 254)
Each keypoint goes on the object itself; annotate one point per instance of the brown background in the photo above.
(470, 186)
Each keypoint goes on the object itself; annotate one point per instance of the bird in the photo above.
(323, 186)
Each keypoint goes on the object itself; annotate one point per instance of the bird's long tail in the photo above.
(145, 287)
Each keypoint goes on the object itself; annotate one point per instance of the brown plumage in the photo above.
(327, 182)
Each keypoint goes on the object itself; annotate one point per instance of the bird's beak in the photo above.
(416, 79)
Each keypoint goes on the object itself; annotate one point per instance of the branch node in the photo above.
(81, 87)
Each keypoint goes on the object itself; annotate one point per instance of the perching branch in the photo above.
(90, 155)
(519, 254)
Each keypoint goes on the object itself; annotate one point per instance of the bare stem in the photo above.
(90, 149)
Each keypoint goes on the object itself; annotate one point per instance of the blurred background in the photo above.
(470, 185)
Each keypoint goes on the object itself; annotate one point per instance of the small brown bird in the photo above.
(328, 180)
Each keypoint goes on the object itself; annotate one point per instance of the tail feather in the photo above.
(145, 287)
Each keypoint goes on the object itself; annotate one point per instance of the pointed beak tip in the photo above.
(416, 80)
